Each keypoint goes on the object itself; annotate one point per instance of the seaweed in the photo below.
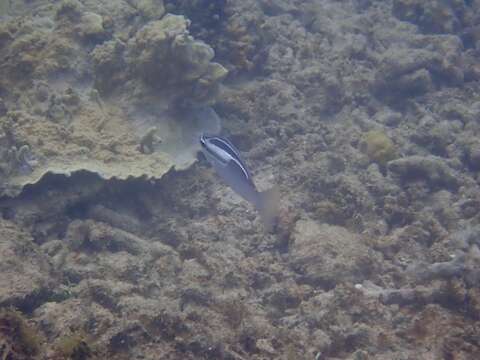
(19, 339)
(75, 346)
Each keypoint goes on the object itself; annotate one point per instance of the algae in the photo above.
(378, 147)
(75, 346)
(23, 340)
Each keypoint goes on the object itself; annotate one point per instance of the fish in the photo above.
(228, 163)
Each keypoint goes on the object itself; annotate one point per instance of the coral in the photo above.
(149, 51)
(108, 62)
(163, 52)
(19, 339)
(91, 26)
(151, 9)
(149, 140)
(378, 147)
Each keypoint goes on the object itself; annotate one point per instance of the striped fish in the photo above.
(226, 161)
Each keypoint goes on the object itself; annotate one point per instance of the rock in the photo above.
(281, 298)
(414, 71)
(91, 26)
(432, 16)
(326, 255)
(474, 155)
(406, 72)
(25, 272)
(59, 319)
(435, 134)
(430, 168)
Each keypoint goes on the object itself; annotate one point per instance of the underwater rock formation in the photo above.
(311, 242)
(25, 281)
(436, 16)
(432, 169)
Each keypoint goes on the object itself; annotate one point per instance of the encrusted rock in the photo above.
(91, 26)
(327, 255)
(430, 168)
(25, 278)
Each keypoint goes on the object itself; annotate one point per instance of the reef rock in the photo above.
(25, 272)
(326, 255)
(430, 168)
(434, 16)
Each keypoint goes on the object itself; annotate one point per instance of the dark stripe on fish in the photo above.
(214, 143)
(225, 145)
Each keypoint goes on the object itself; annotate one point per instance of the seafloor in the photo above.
(118, 242)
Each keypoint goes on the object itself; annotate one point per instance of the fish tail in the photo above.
(268, 205)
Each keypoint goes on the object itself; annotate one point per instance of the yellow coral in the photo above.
(378, 146)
